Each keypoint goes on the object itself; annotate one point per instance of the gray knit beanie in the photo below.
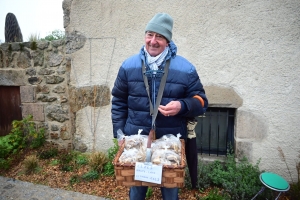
(161, 23)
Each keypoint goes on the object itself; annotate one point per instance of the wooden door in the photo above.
(10, 107)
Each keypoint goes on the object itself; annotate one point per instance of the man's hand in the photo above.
(170, 109)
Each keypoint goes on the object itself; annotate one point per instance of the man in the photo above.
(183, 95)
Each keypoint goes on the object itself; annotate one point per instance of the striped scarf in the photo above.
(155, 62)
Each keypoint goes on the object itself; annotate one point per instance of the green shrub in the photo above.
(240, 180)
(66, 161)
(203, 181)
(67, 167)
(5, 163)
(72, 160)
(91, 175)
(22, 135)
(74, 179)
(24, 132)
(54, 162)
(81, 159)
(149, 193)
(9, 144)
(187, 179)
(55, 35)
(108, 169)
(50, 153)
(66, 157)
(37, 139)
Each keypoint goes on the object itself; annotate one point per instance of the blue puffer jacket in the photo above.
(130, 103)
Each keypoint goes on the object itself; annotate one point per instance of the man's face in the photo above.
(155, 43)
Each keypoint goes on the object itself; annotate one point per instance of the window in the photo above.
(215, 131)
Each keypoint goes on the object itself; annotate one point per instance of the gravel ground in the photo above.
(11, 189)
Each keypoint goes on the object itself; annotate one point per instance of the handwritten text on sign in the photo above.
(148, 172)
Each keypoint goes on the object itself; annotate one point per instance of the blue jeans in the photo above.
(139, 193)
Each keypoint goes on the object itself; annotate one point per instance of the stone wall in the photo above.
(42, 70)
(43, 73)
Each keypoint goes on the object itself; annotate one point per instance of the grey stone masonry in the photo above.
(40, 70)
(12, 77)
(28, 94)
(34, 109)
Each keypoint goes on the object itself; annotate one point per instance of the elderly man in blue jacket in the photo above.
(183, 96)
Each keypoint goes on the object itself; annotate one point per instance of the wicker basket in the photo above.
(171, 176)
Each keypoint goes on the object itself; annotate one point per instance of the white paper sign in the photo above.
(148, 172)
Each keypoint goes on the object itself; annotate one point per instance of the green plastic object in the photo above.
(274, 181)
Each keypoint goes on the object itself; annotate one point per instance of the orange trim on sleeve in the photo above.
(200, 99)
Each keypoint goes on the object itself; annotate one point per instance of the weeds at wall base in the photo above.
(33, 45)
(228, 180)
(23, 135)
(217, 180)
(294, 191)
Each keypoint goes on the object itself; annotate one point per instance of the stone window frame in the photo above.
(223, 97)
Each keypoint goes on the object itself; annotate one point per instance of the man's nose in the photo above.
(153, 40)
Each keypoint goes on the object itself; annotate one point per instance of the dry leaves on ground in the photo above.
(53, 176)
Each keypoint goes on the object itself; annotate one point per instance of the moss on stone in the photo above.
(33, 45)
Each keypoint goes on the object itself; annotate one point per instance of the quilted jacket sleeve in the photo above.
(119, 102)
(192, 106)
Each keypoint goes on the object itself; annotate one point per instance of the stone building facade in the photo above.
(247, 54)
